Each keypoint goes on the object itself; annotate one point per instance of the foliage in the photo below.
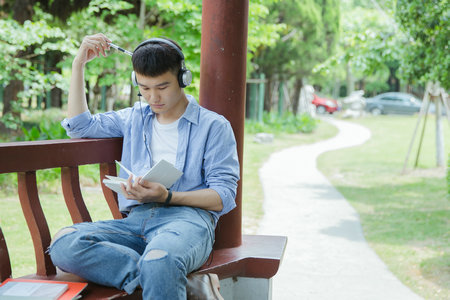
(180, 21)
(46, 130)
(369, 40)
(376, 87)
(426, 55)
(287, 123)
(23, 47)
(308, 36)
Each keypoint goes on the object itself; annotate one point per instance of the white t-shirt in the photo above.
(164, 142)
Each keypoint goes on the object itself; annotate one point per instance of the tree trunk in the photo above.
(10, 95)
(56, 97)
(350, 79)
(97, 98)
(23, 10)
(393, 81)
(88, 92)
(111, 95)
(440, 152)
(268, 94)
(141, 24)
(296, 97)
(52, 59)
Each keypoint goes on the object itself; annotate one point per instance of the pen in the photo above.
(120, 49)
(126, 170)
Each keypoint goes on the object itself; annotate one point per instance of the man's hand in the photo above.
(144, 191)
(91, 47)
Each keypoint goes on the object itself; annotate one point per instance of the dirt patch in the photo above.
(429, 173)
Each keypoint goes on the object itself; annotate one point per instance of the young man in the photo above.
(167, 233)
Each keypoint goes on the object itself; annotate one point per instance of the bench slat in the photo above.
(5, 262)
(37, 224)
(110, 196)
(37, 155)
(72, 195)
(259, 256)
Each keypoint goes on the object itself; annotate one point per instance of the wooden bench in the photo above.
(254, 262)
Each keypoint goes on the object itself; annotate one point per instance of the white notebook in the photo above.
(163, 172)
(32, 290)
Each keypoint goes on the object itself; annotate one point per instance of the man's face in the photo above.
(162, 93)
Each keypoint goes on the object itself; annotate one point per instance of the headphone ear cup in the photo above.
(133, 79)
(184, 77)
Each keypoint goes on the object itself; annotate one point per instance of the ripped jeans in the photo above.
(155, 247)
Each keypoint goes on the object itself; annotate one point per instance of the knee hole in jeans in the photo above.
(64, 231)
(155, 254)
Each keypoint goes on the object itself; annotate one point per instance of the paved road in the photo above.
(327, 256)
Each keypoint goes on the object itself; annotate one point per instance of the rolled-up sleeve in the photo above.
(222, 165)
(86, 125)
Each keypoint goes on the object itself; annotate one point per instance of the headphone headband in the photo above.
(184, 75)
(164, 41)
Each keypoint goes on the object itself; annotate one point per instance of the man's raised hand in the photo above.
(91, 47)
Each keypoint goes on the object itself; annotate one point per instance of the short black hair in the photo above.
(156, 58)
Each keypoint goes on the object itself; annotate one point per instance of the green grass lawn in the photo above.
(18, 238)
(405, 217)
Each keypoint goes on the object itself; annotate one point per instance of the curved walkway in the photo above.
(327, 256)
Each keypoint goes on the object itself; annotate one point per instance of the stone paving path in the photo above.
(327, 256)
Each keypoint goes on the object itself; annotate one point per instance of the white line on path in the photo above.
(327, 256)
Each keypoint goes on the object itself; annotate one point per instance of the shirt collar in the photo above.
(192, 110)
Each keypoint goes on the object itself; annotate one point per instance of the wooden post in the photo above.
(222, 87)
(440, 155)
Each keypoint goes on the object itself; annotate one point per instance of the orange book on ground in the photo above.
(74, 288)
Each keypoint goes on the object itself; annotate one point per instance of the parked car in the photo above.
(393, 103)
(324, 105)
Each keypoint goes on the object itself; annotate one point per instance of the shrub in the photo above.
(45, 130)
(287, 123)
(49, 128)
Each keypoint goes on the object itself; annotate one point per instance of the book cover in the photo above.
(17, 289)
(163, 172)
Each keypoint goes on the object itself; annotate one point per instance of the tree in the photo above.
(21, 45)
(309, 35)
(426, 54)
(37, 52)
(369, 47)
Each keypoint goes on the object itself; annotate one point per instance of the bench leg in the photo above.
(237, 288)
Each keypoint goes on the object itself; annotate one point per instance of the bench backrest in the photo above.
(24, 158)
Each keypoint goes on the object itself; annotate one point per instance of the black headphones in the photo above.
(184, 75)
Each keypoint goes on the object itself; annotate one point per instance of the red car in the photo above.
(324, 105)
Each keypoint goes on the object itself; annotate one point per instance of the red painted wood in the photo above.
(110, 196)
(29, 156)
(258, 256)
(37, 224)
(72, 195)
(5, 263)
(222, 87)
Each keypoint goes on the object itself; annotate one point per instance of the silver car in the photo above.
(393, 103)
